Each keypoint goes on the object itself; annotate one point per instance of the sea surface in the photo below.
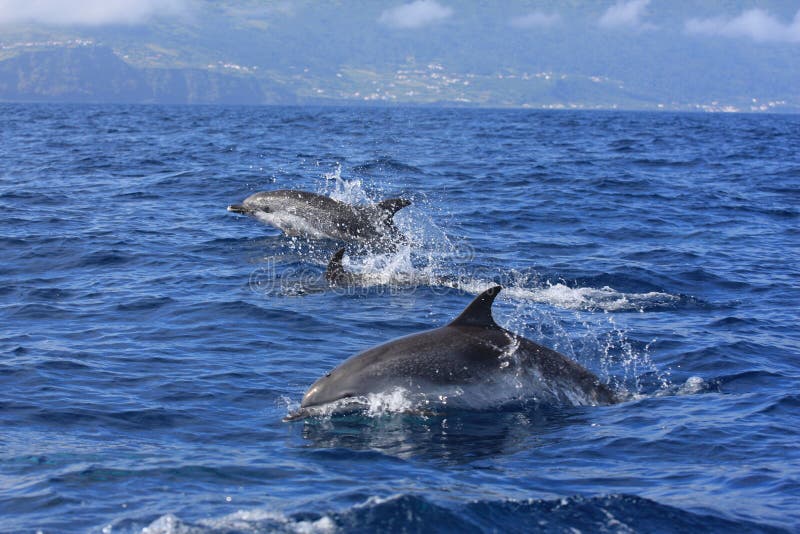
(152, 342)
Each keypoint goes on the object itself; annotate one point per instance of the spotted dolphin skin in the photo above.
(470, 354)
(300, 213)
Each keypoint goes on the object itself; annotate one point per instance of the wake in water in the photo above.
(432, 258)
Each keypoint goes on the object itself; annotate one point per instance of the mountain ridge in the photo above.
(96, 74)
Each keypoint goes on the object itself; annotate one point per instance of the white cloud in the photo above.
(415, 15)
(537, 19)
(756, 24)
(87, 12)
(628, 14)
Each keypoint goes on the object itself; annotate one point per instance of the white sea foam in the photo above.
(255, 520)
(588, 298)
(562, 296)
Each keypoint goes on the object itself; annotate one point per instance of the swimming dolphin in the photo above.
(471, 353)
(337, 276)
(318, 216)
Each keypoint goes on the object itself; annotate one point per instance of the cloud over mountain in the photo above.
(415, 15)
(87, 12)
(628, 14)
(756, 24)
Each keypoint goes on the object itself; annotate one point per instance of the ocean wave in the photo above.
(385, 164)
(149, 419)
(413, 513)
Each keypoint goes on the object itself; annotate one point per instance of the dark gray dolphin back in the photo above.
(554, 366)
(472, 350)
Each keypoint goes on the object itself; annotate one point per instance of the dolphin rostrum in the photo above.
(472, 355)
(317, 216)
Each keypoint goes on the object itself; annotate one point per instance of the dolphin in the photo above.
(337, 276)
(300, 213)
(470, 355)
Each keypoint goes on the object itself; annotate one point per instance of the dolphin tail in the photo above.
(335, 271)
(390, 206)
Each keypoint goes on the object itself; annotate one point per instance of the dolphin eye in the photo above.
(347, 395)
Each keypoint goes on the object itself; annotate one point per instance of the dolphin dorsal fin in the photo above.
(390, 206)
(335, 270)
(479, 312)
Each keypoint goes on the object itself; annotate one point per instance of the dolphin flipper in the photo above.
(335, 271)
(479, 312)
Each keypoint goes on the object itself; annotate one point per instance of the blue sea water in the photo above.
(151, 342)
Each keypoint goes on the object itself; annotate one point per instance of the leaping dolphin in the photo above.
(300, 213)
(470, 355)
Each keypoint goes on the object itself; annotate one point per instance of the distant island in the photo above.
(86, 72)
(90, 73)
(541, 54)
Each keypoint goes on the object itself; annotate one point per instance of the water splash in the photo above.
(429, 247)
(595, 341)
(398, 400)
(347, 191)
(632, 372)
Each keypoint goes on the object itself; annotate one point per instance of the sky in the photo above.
(755, 23)
(88, 12)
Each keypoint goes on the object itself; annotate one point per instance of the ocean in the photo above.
(151, 342)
